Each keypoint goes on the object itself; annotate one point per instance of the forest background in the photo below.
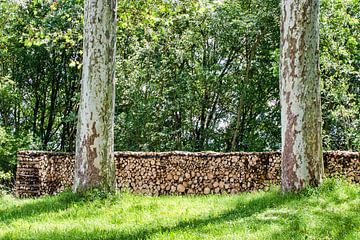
(191, 75)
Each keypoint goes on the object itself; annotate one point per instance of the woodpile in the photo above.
(154, 173)
(27, 175)
(340, 163)
(57, 172)
(196, 173)
(42, 173)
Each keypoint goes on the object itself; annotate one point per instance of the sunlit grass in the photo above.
(329, 212)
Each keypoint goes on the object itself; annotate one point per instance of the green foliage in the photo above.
(94, 194)
(329, 212)
(9, 144)
(10, 97)
(10, 140)
(188, 69)
(6, 180)
(340, 72)
(191, 75)
(41, 54)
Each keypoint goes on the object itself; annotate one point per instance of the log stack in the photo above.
(42, 173)
(57, 172)
(155, 173)
(27, 175)
(343, 164)
(196, 173)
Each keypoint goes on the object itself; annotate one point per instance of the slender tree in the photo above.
(302, 163)
(94, 142)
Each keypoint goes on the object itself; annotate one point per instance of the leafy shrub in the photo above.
(9, 145)
(6, 182)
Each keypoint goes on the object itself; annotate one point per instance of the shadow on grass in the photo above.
(289, 224)
(330, 222)
(243, 209)
(46, 204)
(331, 226)
(340, 225)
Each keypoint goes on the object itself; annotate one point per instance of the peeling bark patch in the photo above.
(91, 154)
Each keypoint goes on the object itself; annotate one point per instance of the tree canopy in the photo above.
(193, 75)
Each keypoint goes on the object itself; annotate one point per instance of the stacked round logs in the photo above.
(57, 172)
(40, 173)
(27, 175)
(196, 173)
(340, 163)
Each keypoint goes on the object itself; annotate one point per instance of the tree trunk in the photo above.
(234, 142)
(95, 135)
(302, 163)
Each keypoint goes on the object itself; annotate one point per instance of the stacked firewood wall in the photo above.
(57, 173)
(28, 174)
(196, 173)
(343, 164)
(41, 173)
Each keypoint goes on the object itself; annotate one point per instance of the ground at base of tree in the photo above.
(329, 212)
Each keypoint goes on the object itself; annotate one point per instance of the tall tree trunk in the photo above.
(95, 134)
(52, 111)
(250, 50)
(234, 142)
(302, 162)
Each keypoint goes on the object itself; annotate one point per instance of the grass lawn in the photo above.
(329, 212)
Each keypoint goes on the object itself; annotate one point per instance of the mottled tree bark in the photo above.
(95, 138)
(302, 163)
